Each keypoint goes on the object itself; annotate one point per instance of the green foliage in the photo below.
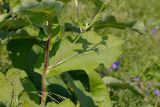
(14, 83)
(140, 54)
(110, 21)
(77, 48)
(85, 54)
(32, 6)
(115, 83)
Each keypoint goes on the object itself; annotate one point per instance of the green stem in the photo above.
(76, 3)
(78, 16)
(92, 23)
(96, 17)
(120, 6)
(46, 62)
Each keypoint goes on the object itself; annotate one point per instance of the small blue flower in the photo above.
(116, 65)
(157, 92)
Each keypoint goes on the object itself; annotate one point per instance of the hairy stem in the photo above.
(46, 62)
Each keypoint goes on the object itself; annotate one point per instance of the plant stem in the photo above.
(96, 16)
(77, 10)
(46, 62)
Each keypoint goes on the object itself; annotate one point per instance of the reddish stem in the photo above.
(46, 62)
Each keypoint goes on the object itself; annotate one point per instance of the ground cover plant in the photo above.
(77, 53)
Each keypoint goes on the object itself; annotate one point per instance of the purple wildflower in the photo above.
(115, 65)
(154, 30)
(157, 92)
(136, 78)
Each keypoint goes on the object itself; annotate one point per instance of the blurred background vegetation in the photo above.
(140, 61)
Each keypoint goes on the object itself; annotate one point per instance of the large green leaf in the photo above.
(39, 10)
(86, 53)
(89, 51)
(13, 84)
(46, 6)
